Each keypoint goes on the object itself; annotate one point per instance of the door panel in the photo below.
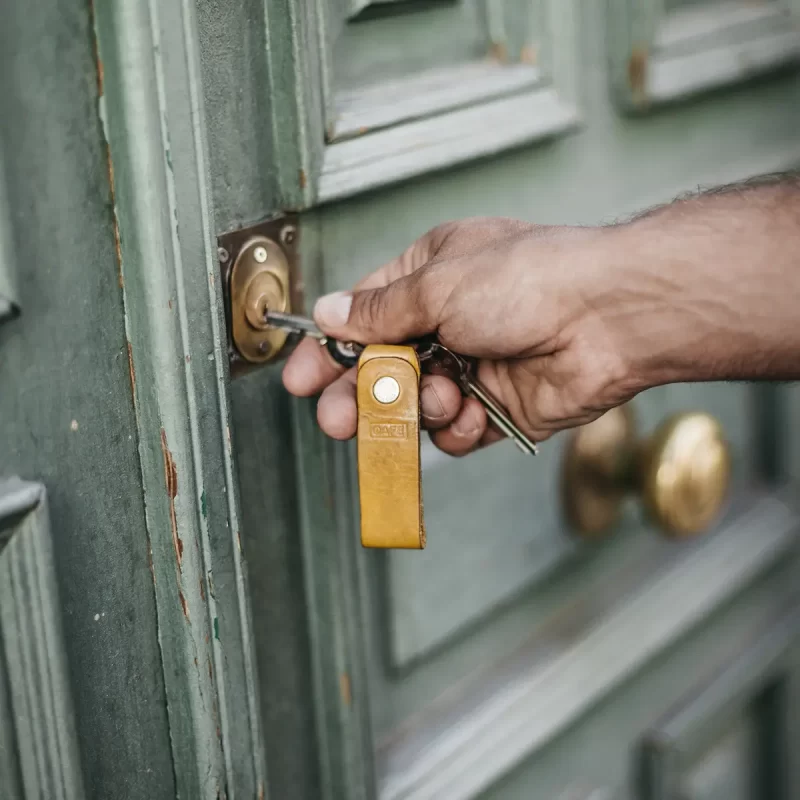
(509, 659)
(604, 751)
(481, 726)
(731, 737)
(38, 746)
(443, 627)
(472, 78)
(500, 483)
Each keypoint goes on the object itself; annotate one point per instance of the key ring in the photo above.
(344, 353)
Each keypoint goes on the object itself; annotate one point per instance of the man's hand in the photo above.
(568, 322)
(518, 296)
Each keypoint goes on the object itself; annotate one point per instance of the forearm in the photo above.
(708, 288)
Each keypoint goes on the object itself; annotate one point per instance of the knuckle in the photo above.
(426, 291)
(369, 309)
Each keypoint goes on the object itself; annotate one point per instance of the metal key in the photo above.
(438, 359)
(434, 358)
(344, 353)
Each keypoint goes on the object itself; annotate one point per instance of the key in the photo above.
(344, 353)
(439, 359)
(434, 358)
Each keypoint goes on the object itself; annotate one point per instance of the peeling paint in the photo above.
(216, 628)
(303, 180)
(184, 605)
(529, 55)
(637, 74)
(169, 304)
(96, 51)
(239, 540)
(345, 689)
(202, 590)
(260, 791)
(114, 218)
(171, 479)
(210, 669)
(99, 77)
(132, 371)
(498, 52)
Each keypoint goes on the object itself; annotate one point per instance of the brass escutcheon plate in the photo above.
(259, 272)
(259, 281)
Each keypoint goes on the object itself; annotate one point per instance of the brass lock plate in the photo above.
(258, 269)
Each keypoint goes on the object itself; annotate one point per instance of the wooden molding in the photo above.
(484, 732)
(38, 744)
(658, 57)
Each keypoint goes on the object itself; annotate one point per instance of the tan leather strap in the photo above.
(388, 448)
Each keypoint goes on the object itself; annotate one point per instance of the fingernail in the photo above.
(432, 407)
(467, 424)
(333, 310)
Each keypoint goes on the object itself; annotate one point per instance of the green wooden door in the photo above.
(222, 633)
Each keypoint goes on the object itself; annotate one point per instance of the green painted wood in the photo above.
(153, 119)
(9, 750)
(66, 412)
(747, 693)
(303, 691)
(613, 166)
(9, 303)
(600, 752)
(39, 704)
(257, 61)
(500, 74)
(296, 86)
(665, 52)
(330, 557)
(266, 470)
(235, 68)
(577, 180)
(294, 38)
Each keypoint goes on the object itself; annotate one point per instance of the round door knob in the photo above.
(681, 472)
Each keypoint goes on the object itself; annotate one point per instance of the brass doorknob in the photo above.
(681, 472)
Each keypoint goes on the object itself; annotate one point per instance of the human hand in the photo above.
(531, 302)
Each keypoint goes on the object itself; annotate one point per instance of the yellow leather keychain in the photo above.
(389, 448)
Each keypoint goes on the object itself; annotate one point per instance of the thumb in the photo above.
(399, 311)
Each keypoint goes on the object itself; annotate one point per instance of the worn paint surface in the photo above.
(129, 251)
(171, 479)
(156, 141)
(613, 166)
(66, 413)
(637, 75)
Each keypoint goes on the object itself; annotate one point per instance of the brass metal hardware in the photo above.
(681, 472)
(259, 272)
